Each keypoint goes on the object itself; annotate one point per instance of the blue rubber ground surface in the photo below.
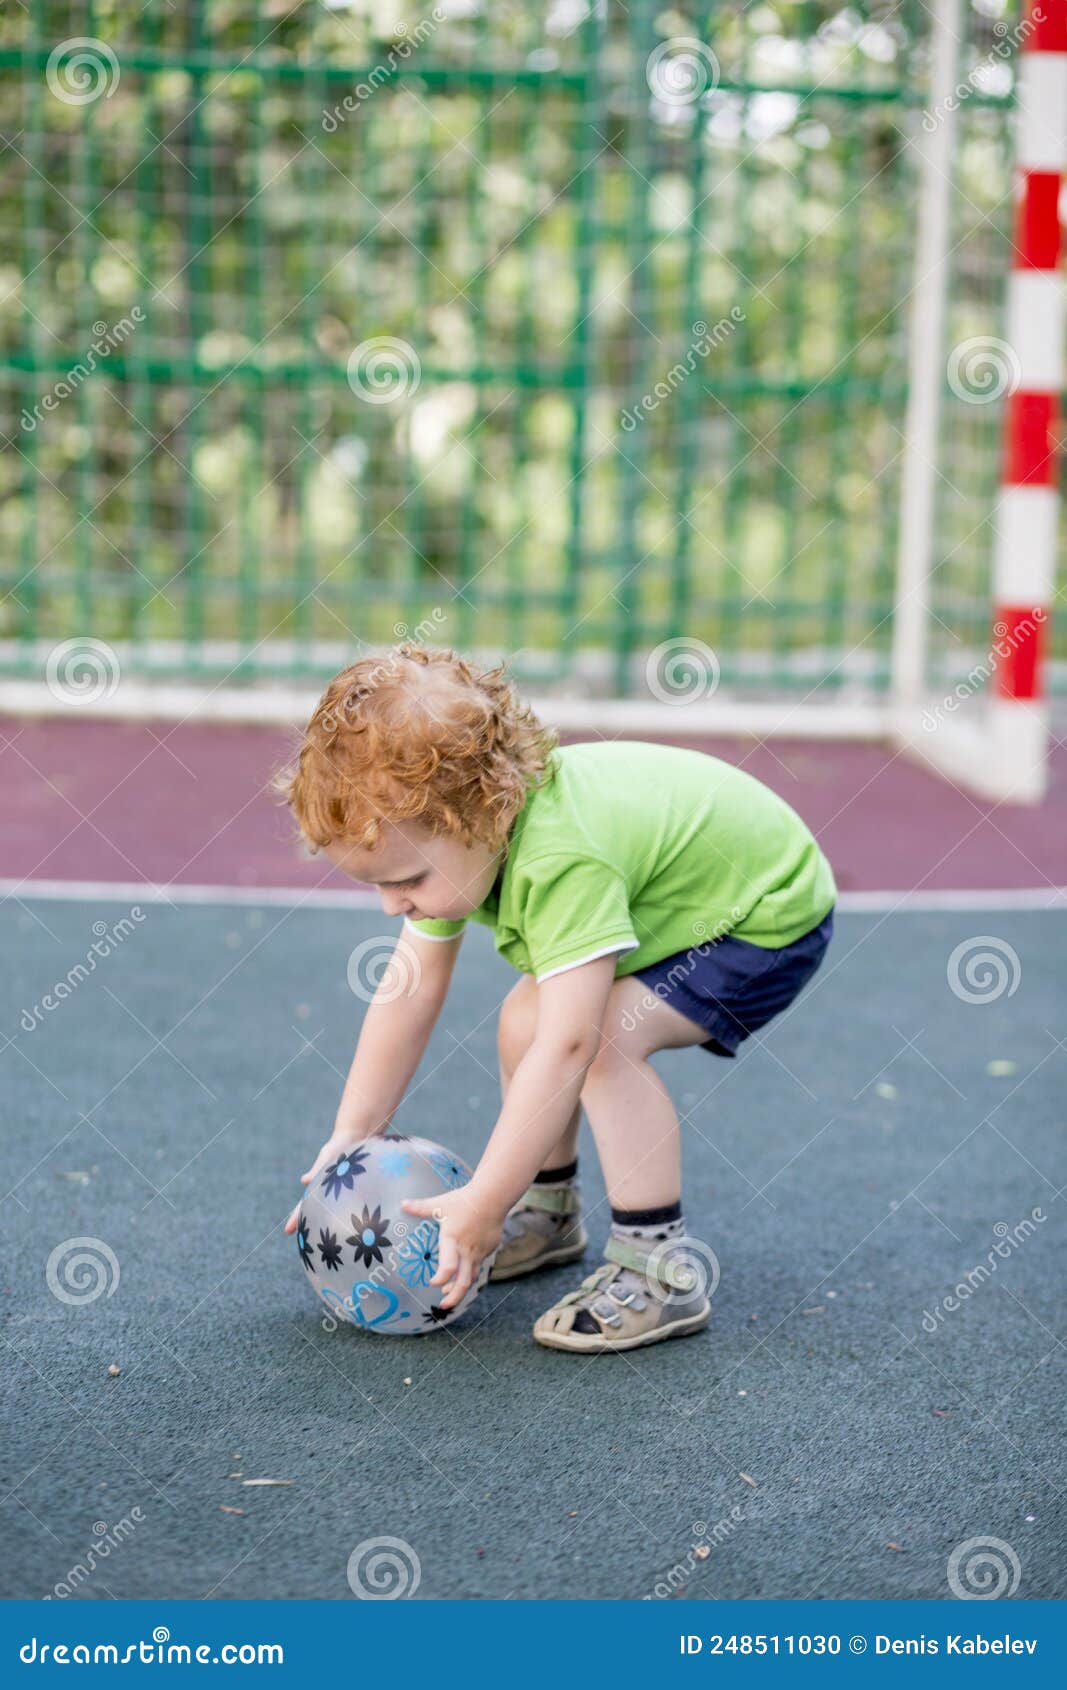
(848, 1172)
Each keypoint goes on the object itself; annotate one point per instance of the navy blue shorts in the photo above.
(732, 987)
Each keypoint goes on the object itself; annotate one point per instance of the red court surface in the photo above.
(190, 805)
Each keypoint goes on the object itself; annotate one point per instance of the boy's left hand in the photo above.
(469, 1233)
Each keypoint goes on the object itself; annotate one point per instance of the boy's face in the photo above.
(418, 875)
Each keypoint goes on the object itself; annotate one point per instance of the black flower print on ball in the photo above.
(368, 1235)
(435, 1314)
(303, 1244)
(329, 1249)
(340, 1175)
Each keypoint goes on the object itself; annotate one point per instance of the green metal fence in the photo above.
(562, 329)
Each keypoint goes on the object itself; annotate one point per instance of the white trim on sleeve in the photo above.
(434, 938)
(620, 946)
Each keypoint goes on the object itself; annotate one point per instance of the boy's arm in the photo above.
(541, 1098)
(395, 1032)
(547, 1083)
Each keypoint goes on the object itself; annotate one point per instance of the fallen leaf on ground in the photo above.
(74, 1174)
(820, 1308)
(266, 1481)
(942, 1413)
(749, 1481)
(702, 1552)
(113, 1371)
(225, 1509)
(895, 1546)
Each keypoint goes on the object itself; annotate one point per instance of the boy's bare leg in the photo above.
(630, 1111)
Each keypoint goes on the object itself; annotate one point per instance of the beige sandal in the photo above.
(537, 1233)
(625, 1318)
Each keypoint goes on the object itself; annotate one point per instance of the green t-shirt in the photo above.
(647, 850)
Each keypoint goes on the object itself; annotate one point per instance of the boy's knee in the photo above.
(517, 1025)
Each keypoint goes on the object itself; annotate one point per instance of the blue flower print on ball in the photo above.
(448, 1169)
(340, 1175)
(394, 1160)
(416, 1258)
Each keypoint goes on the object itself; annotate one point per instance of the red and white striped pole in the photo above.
(1028, 504)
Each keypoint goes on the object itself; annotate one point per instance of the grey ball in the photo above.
(369, 1260)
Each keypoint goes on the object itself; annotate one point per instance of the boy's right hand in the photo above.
(331, 1151)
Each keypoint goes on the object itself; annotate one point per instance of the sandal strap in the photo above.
(672, 1275)
(558, 1200)
(588, 1286)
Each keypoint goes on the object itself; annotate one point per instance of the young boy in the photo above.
(649, 897)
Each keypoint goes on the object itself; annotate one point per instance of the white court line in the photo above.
(138, 892)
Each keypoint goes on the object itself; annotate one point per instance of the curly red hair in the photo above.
(419, 735)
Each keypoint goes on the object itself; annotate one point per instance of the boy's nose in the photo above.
(394, 904)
